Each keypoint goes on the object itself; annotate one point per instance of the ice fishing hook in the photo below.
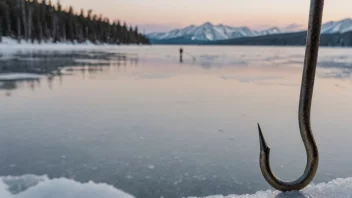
(307, 85)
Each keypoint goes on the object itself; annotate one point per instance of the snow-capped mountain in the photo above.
(210, 32)
(294, 27)
(342, 26)
(273, 30)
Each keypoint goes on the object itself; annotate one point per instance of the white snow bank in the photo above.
(18, 76)
(9, 47)
(31, 186)
(10, 43)
(338, 188)
(7, 41)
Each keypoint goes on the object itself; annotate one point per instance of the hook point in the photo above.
(263, 144)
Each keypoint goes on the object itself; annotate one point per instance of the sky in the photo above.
(163, 15)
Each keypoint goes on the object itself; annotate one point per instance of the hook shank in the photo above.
(306, 94)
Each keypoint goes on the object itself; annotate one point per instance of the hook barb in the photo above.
(263, 144)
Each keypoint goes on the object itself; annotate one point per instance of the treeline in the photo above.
(32, 20)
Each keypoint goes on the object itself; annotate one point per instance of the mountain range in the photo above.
(209, 32)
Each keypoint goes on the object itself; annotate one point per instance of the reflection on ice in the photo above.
(277, 84)
(31, 67)
(155, 76)
(249, 78)
(46, 62)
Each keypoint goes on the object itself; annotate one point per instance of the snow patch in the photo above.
(32, 186)
(10, 43)
(18, 76)
(338, 188)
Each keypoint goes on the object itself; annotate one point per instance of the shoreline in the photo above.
(12, 44)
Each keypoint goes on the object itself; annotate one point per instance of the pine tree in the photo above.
(70, 25)
(2, 21)
(38, 29)
(57, 22)
(18, 20)
(132, 35)
(43, 20)
(30, 23)
(136, 35)
(119, 32)
(81, 27)
(6, 20)
(24, 19)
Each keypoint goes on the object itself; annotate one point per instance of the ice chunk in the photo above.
(31, 186)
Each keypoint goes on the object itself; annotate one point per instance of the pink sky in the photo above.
(160, 15)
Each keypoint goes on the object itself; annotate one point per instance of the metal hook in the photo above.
(310, 61)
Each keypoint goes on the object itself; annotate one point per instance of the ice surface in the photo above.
(31, 186)
(338, 188)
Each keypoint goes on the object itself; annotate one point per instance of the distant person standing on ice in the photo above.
(181, 53)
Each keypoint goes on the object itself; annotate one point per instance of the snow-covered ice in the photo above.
(32, 186)
(338, 188)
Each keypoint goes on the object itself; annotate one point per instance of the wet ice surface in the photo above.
(137, 119)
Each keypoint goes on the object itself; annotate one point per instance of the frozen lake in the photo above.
(137, 119)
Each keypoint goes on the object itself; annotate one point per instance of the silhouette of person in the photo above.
(181, 53)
